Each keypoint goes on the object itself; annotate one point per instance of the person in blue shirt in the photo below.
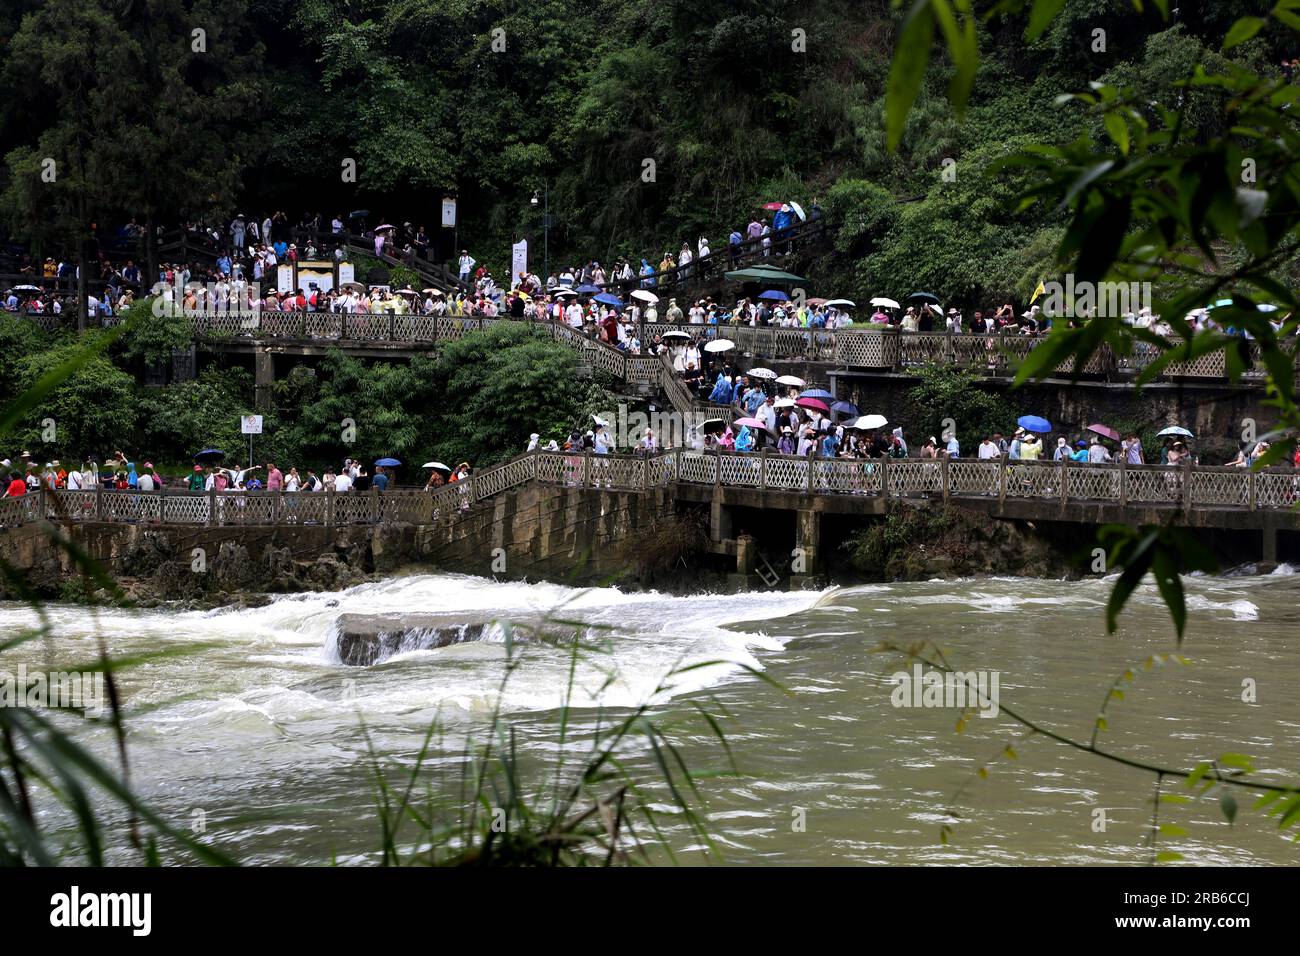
(830, 445)
(754, 398)
(380, 480)
(1081, 451)
(647, 269)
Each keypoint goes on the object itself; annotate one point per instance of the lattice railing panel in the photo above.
(740, 470)
(69, 505)
(923, 348)
(353, 508)
(1093, 482)
(1033, 479)
(698, 468)
(1277, 489)
(867, 348)
(185, 507)
(324, 325)
(415, 328)
(16, 511)
(662, 469)
(910, 477)
(1220, 486)
(1153, 483)
(786, 473)
(973, 478)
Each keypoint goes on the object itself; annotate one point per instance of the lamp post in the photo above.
(546, 229)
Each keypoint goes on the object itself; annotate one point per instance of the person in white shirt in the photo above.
(989, 449)
(74, 480)
(343, 482)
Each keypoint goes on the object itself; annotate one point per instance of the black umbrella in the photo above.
(210, 454)
(357, 213)
(924, 295)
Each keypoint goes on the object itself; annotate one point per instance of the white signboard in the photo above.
(250, 424)
(284, 278)
(518, 262)
(347, 273)
(448, 212)
(319, 273)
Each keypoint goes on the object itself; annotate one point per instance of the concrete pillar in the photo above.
(1270, 540)
(263, 378)
(719, 520)
(746, 554)
(807, 538)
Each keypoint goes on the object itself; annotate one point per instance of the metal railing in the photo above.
(1185, 487)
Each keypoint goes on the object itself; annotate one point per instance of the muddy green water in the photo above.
(261, 732)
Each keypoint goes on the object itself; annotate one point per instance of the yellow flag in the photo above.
(1037, 292)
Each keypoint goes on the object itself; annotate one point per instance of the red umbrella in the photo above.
(816, 403)
(817, 301)
(1105, 431)
(772, 205)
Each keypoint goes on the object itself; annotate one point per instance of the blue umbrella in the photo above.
(816, 393)
(845, 408)
(1032, 423)
(587, 288)
(387, 462)
(773, 294)
(608, 298)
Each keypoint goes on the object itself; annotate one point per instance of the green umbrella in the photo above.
(765, 274)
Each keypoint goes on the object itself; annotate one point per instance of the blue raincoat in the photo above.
(721, 394)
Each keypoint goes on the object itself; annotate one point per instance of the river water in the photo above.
(260, 732)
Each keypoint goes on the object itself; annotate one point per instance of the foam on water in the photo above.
(288, 670)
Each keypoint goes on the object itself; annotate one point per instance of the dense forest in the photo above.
(734, 103)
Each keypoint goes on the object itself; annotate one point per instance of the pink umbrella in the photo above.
(816, 403)
(751, 422)
(1105, 431)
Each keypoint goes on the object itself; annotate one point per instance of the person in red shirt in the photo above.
(17, 487)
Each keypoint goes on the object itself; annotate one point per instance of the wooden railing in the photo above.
(856, 347)
(1189, 488)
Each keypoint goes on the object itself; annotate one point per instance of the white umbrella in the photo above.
(719, 345)
(783, 403)
(790, 380)
(880, 300)
(1176, 430)
(870, 421)
(33, 288)
(841, 303)
(676, 334)
(645, 296)
(764, 373)
(564, 290)
(387, 225)
(432, 292)
(436, 465)
(798, 211)
(600, 421)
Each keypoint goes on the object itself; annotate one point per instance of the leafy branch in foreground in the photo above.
(1194, 187)
(1227, 772)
